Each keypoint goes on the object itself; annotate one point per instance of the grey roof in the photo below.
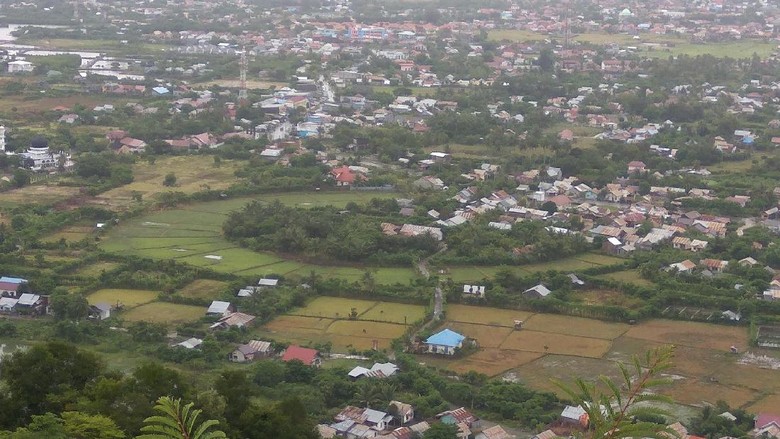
(218, 307)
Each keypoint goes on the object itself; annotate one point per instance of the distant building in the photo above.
(444, 342)
(20, 67)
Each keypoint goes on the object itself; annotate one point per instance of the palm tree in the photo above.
(178, 422)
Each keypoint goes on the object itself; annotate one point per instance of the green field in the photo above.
(575, 263)
(627, 276)
(128, 298)
(203, 289)
(340, 308)
(96, 269)
(191, 233)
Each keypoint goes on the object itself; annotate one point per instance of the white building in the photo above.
(20, 67)
(38, 157)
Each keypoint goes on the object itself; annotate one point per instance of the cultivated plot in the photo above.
(127, 298)
(166, 313)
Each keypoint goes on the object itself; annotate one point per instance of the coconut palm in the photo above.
(178, 422)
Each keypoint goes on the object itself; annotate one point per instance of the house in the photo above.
(574, 416)
(494, 432)
(554, 173)
(714, 265)
(7, 304)
(441, 157)
(220, 308)
(190, 343)
(344, 176)
(267, 283)
(766, 425)
(415, 230)
(369, 418)
(636, 167)
(251, 351)
(576, 281)
(546, 434)
(309, 357)
(378, 370)
(685, 266)
(32, 304)
(20, 67)
(459, 416)
(444, 342)
(402, 413)
(233, 320)
(537, 292)
(731, 315)
(100, 311)
(68, 118)
(474, 290)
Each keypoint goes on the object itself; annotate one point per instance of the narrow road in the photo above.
(438, 295)
(749, 222)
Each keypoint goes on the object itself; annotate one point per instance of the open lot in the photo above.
(203, 289)
(193, 174)
(627, 276)
(69, 234)
(193, 234)
(608, 297)
(96, 269)
(690, 334)
(45, 194)
(473, 273)
(128, 298)
(166, 313)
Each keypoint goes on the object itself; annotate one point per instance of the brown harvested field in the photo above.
(577, 326)
(485, 316)
(344, 342)
(333, 307)
(168, 313)
(39, 194)
(539, 374)
(703, 391)
(203, 289)
(486, 336)
(295, 323)
(354, 328)
(535, 341)
(768, 403)
(698, 335)
(492, 362)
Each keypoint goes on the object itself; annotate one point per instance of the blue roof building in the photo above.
(13, 280)
(160, 91)
(444, 342)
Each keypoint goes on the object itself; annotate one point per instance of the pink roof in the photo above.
(305, 355)
(764, 419)
(636, 164)
(9, 286)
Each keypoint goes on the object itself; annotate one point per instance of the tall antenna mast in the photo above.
(242, 94)
(567, 26)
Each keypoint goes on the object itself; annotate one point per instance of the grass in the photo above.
(340, 308)
(203, 289)
(166, 313)
(250, 84)
(514, 35)
(610, 298)
(493, 361)
(69, 234)
(98, 45)
(96, 269)
(575, 263)
(629, 277)
(128, 298)
(193, 174)
(731, 49)
(416, 91)
(485, 316)
(43, 194)
(394, 313)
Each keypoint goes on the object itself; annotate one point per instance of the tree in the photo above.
(170, 180)
(69, 306)
(615, 415)
(442, 431)
(177, 422)
(21, 177)
(550, 207)
(84, 426)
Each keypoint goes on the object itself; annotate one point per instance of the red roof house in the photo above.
(345, 176)
(310, 357)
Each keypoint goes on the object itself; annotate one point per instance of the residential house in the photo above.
(100, 311)
(267, 283)
(233, 320)
(474, 290)
(553, 173)
(378, 370)
(494, 432)
(220, 308)
(537, 292)
(429, 183)
(441, 157)
(402, 413)
(636, 167)
(714, 265)
(574, 416)
(190, 343)
(444, 342)
(766, 425)
(372, 419)
(309, 357)
(344, 176)
(251, 351)
(415, 230)
(685, 266)
(458, 416)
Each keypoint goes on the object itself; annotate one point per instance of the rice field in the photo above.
(203, 289)
(627, 276)
(476, 273)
